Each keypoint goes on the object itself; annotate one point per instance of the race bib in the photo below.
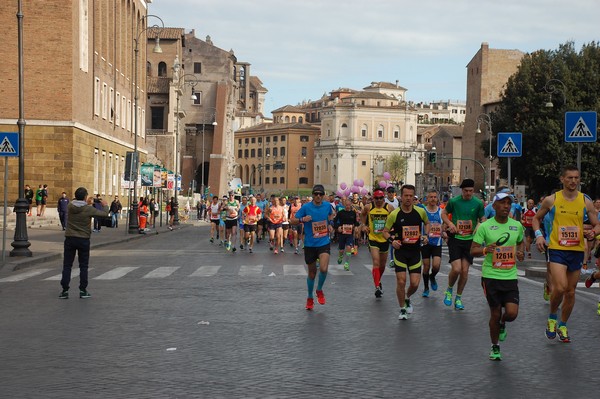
(435, 230)
(251, 219)
(411, 234)
(465, 227)
(319, 229)
(214, 216)
(503, 258)
(528, 220)
(568, 236)
(378, 225)
(347, 229)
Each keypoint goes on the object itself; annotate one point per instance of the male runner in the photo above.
(527, 220)
(232, 207)
(500, 240)
(251, 214)
(467, 212)
(344, 222)
(241, 221)
(215, 218)
(566, 247)
(317, 217)
(296, 229)
(373, 220)
(275, 220)
(263, 204)
(432, 251)
(403, 230)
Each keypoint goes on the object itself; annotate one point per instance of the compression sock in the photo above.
(322, 277)
(311, 286)
(348, 256)
(553, 316)
(426, 280)
(376, 276)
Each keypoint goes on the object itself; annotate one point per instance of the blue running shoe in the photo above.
(448, 298)
(434, 285)
(426, 294)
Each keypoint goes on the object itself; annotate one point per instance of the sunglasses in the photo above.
(378, 198)
(321, 194)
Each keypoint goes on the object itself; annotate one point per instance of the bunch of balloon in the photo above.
(356, 188)
(384, 184)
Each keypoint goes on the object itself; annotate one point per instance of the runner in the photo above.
(527, 220)
(391, 198)
(466, 212)
(262, 203)
(241, 228)
(252, 214)
(357, 206)
(297, 228)
(232, 206)
(275, 220)
(317, 218)
(344, 222)
(403, 230)
(566, 246)
(285, 225)
(215, 219)
(500, 240)
(373, 219)
(432, 251)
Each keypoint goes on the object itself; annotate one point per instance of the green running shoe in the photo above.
(563, 334)
(340, 259)
(458, 305)
(347, 266)
(598, 311)
(448, 298)
(503, 334)
(551, 329)
(495, 353)
(65, 295)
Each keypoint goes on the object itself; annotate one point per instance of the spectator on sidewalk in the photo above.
(44, 199)
(62, 207)
(115, 210)
(77, 240)
(143, 218)
(29, 197)
(38, 199)
(97, 203)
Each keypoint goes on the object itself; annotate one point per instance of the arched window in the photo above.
(326, 164)
(380, 132)
(300, 119)
(148, 68)
(287, 119)
(162, 69)
(344, 125)
(293, 119)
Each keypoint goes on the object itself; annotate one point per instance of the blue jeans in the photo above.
(82, 247)
(115, 219)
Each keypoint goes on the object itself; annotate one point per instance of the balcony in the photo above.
(156, 132)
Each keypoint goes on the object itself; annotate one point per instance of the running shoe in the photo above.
(598, 311)
(320, 297)
(502, 336)
(546, 292)
(270, 245)
(589, 281)
(434, 285)
(347, 266)
(448, 298)
(228, 246)
(275, 251)
(403, 314)
(248, 242)
(551, 329)
(563, 334)
(233, 248)
(65, 295)
(241, 246)
(340, 259)
(282, 250)
(458, 305)
(408, 305)
(310, 304)
(84, 294)
(250, 250)
(379, 293)
(495, 353)
(297, 251)
(425, 294)
(212, 240)
(392, 264)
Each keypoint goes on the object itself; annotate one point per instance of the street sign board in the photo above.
(9, 144)
(581, 127)
(510, 145)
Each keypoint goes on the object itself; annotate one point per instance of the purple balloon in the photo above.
(382, 184)
(386, 175)
(343, 186)
(355, 182)
(340, 193)
(361, 183)
(347, 192)
(364, 191)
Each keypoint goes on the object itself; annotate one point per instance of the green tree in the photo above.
(396, 166)
(523, 109)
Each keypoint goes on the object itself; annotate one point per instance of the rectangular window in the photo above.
(253, 140)
(259, 140)
(117, 176)
(252, 153)
(110, 173)
(197, 67)
(274, 139)
(275, 151)
(282, 180)
(304, 151)
(260, 153)
(103, 171)
(83, 35)
(246, 140)
(267, 152)
(363, 132)
(158, 117)
(380, 133)
(197, 98)
(282, 138)
(118, 109)
(143, 122)
(268, 139)
(304, 139)
(97, 96)
(245, 153)
(302, 166)
(268, 167)
(111, 105)
(282, 151)
(364, 163)
(96, 170)
(123, 112)
(267, 180)
(139, 121)
(104, 100)
(240, 153)
(396, 134)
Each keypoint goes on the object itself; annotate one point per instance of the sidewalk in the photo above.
(47, 241)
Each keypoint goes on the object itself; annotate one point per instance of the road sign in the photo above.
(510, 145)
(581, 127)
(9, 144)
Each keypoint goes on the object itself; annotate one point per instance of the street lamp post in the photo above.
(485, 118)
(182, 81)
(21, 240)
(133, 207)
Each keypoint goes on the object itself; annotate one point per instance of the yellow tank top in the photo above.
(377, 218)
(567, 223)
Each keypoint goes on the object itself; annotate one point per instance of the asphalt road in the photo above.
(173, 316)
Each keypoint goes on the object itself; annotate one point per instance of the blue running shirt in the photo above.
(319, 235)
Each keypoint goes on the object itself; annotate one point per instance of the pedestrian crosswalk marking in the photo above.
(580, 130)
(116, 273)
(294, 270)
(6, 147)
(23, 276)
(206, 271)
(161, 272)
(509, 147)
(338, 270)
(250, 270)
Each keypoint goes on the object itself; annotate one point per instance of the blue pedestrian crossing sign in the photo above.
(9, 144)
(510, 145)
(581, 127)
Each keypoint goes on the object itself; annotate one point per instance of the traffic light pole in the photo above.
(482, 168)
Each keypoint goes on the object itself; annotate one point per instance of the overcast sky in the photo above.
(301, 49)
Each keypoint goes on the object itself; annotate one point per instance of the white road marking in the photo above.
(23, 276)
(206, 271)
(161, 272)
(250, 270)
(74, 273)
(116, 273)
(294, 270)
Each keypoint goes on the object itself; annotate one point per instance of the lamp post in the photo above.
(133, 207)
(182, 81)
(485, 118)
(21, 240)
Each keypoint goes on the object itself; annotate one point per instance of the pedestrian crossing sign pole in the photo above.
(9, 147)
(581, 127)
(510, 145)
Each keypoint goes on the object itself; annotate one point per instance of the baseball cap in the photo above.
(318, 188)
(501, 196)
(391, 189)
(378, 193)
(467, 183)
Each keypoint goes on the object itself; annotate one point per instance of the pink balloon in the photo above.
(347, 192)
(364, 191)
(355, 182)
(382, 184)
(343, 186)
(340, 193)
(361, 183)
(386, 175)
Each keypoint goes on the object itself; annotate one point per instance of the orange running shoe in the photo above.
(320, 297)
